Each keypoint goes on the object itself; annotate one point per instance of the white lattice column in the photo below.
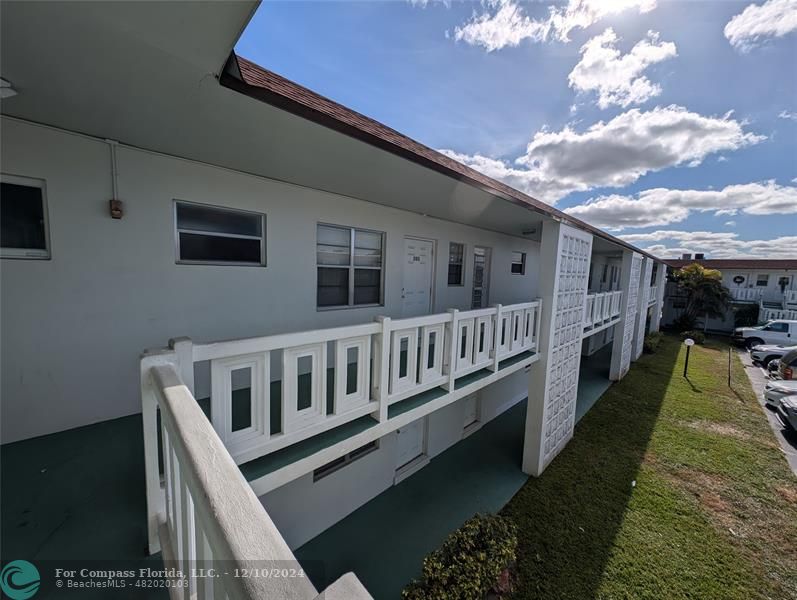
(622, 344)
(553, 380)
(642, 310)
(658, 308)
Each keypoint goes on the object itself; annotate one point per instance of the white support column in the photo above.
(658, 308)
(565, 254)
(624, 330)
(642, 309)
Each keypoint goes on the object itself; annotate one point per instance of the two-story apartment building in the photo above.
(234, 311)
(768, 284)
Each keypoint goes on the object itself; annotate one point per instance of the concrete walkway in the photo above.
(384, 542)
(593, 379)
(758, 378)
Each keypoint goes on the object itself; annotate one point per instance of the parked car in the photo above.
(787, 368)
(765, 353)
(775, 390)
(787, 412)
(774, 332)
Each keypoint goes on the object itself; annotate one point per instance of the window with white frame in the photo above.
(518, 263)
(213, 235)
(762, 280)
(349, 265)
(456, 264)
(23, 218)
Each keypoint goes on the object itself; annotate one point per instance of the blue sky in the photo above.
(647, 120)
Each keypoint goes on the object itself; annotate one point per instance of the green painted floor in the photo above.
(384, 541)
(593, 379)
(77, 495)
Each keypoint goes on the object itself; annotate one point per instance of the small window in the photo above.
(778, 326)
(219, 236)
(349, 266)
(762, 280)
(23, 218)
(344, 460)
(456, 264)
(518, 263)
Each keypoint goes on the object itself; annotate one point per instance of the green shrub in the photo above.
(652, 342)
(698, 336)
(469, 563)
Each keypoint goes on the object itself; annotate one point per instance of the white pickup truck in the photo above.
(775, 332)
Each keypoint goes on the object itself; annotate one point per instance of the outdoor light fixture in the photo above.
(6, 89)
(688, 342)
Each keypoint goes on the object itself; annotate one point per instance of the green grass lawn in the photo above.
(669, 489)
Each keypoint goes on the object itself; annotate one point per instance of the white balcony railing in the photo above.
(206, 518)
(746, 294)
(601, 308)
(369, 367)
(771, 314)
(203, 509)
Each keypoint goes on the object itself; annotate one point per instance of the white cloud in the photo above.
(506, 24)
(713, 244)
(661, 206)
(617, 78)
(613, 154)
(785, 114)
(774, 18)
(730, 223)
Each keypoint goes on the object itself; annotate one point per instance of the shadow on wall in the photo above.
(569, 518)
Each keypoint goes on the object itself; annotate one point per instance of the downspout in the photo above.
(115, 202)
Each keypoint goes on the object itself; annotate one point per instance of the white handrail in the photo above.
(601, 309)
(370, 366)
(206, 511)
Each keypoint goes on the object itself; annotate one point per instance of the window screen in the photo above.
(213, 235)
(349, 266)
(23, 218)
(456, 262)
(519, 263)
(762, 280)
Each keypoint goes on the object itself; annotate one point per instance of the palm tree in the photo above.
(705, 294)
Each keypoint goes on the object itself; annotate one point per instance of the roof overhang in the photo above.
(147, 74)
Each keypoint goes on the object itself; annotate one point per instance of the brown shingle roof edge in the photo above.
(248, 78)
(736, 263)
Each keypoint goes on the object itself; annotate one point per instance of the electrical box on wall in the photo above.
(116, 209)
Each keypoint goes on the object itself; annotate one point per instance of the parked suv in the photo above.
(787, 369)
(774, 332)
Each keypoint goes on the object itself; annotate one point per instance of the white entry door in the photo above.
(410, 442)
(418, 270)
(481, 277)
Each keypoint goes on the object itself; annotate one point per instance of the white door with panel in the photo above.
(416, 293)
(410, 442)
(481, 277)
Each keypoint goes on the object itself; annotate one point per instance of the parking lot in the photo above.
(758, 379)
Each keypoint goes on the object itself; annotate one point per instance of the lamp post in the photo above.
(688, 342)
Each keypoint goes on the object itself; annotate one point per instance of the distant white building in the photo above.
(768, 284)
(343, 301)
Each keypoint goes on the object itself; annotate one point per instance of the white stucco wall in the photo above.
(74, 326)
